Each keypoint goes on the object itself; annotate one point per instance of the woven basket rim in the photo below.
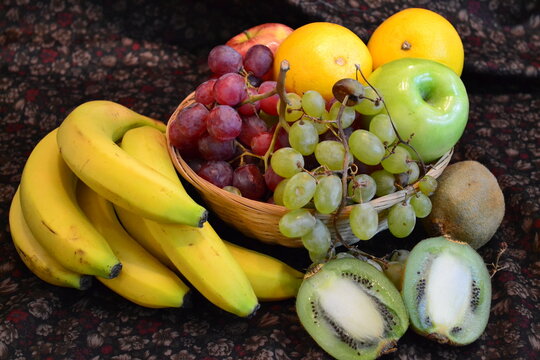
(379, 203)
(259, 220)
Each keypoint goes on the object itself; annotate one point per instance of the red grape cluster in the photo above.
(228, 116)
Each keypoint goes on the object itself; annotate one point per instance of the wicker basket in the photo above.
(260, 220)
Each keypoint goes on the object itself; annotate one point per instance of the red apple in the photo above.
(269, 34)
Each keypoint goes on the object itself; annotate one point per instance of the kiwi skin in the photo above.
(468, 204)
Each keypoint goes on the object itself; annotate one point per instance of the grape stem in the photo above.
(400, 139)
(344, 167)
(254, 98)
(280, 89)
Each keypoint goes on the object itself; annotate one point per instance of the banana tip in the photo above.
(204, 218)
(254, 311)
(115, 271)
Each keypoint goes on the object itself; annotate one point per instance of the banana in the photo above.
(47, 193)
(270, 278)
(86, 139)
(143, 279)
(198, 253)
(35, 257)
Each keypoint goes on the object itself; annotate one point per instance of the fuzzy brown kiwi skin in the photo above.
(467, 205)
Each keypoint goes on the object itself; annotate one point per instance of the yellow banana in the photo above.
(143, 279)
(270, 278)
(86, 139)
(135, 227)
(198, 253)
(49, 205)
(35, 257)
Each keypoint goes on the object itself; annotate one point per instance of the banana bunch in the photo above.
(89, 208)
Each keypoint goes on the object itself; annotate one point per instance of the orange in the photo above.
(319, 54)
(418, 33)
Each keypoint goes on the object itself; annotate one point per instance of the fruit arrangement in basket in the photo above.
(303, 137)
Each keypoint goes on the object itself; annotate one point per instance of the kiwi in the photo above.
(351, 310)
(447, 291)
(468, 204)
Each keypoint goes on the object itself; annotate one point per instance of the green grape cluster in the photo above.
(317, 132)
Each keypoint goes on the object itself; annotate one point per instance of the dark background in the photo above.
(149, 56)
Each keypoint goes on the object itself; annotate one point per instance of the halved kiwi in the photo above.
(447, 291)
(351, 310)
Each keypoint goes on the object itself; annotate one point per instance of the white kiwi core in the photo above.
(351, 308)
(448, 292)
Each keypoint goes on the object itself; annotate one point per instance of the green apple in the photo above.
(424, 98)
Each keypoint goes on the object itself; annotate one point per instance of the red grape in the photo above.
(260, 143)
(258, 60)
(187, 147)
(190, 122)
(204, 93)
(269, 104)
(249, 181)
(211, 148)
(251, 126)
(230, 89)
(219, 173)
(249, 108)
(223, 123)
(282, 139)
(224, 59)
(271, 178)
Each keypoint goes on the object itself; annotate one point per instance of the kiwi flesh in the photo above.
(351, 309)
(468, 204)
(447, 291)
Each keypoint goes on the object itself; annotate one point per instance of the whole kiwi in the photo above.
(468, 204)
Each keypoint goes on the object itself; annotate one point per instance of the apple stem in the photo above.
(400, 139)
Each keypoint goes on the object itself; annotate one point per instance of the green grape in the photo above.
(278, 192)
(330, 153)
(368, 107)
(366, 147)
(232, 189)
(322, 125)
(381, 126)
(303, 136)
(347, 118)
(345, 255)
(413, 172)
(427, 185)
(328, 194)
(362, 188)
(286, 162)
(364, 221)
(299, 190)
(296, 223)
(313, 103)
(421, 205)
(396, 162)
(317, 241)
(293, 111)
(385, 182)
(401, 219)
